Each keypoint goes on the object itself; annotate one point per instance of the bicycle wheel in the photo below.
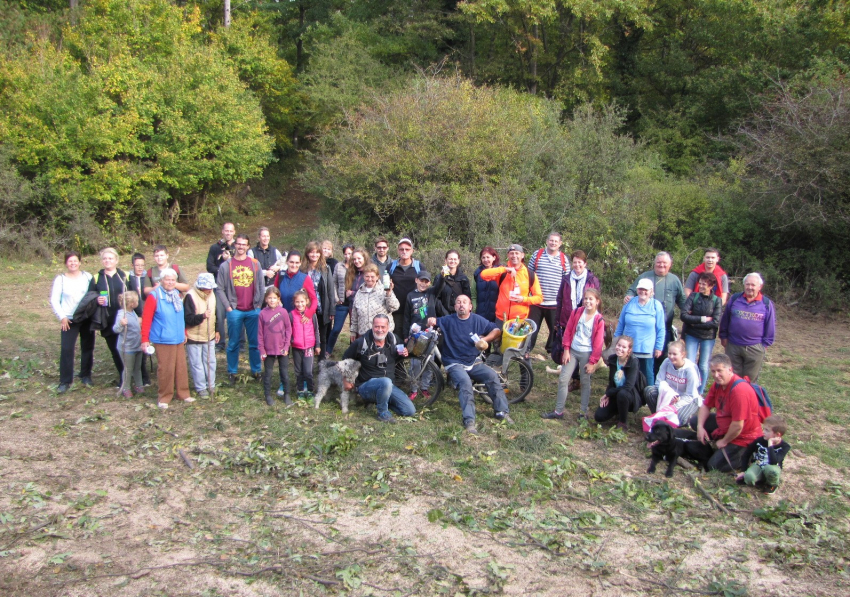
(404, 381)
(518, 380)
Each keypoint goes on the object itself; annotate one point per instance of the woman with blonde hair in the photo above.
(371, 299)
(110, 282)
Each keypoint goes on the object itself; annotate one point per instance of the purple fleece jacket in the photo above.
(274, 331)
(747, 324)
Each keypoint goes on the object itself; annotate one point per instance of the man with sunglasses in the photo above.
(377, 353)
(403, 273)
(380, 257)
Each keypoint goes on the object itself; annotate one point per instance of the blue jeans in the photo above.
(647, 366)
(705, 348)
(339, 321)
(386, 396)
(462, 380)
(235, 321)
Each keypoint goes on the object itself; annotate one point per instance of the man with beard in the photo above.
(377, 353)
(465, 336)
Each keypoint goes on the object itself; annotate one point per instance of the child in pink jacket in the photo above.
(274, 334)
(305, 332)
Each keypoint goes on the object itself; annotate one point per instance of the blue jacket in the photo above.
(645, 324)
(486, 294)
(288, 287)
(167, 325)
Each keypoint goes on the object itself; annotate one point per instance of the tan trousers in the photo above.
(171, 371)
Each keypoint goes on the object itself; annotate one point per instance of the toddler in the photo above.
(128, 326)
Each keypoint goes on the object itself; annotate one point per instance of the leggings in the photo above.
(620, 405)
(302, 361)
(283, 369)
(133, 366)
(112, 343)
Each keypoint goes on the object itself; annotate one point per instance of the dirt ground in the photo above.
(96, 499)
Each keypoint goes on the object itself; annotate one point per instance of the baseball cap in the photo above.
(405, 240)
(646, 284)
(423, 275)
(516, 247)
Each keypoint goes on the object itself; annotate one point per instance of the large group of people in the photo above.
(276, 304)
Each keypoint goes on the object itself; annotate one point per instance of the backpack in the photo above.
(391, 268)
(539, 253)
(173, 266)
(531, 278)
(765, 405)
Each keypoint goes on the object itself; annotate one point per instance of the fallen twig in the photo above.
(708, 496)
(171, 433)
(185, 458)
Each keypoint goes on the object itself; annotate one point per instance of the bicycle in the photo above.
(406, 378)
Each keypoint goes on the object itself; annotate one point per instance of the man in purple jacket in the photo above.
(748, 327)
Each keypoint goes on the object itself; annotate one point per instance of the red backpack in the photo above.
(765, 405)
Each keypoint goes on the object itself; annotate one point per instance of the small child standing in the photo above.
(274, 334)
(765, 455)
(304, 334)
(421, 304)
(128, 326)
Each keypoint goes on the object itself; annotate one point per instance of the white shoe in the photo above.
(162, 405)
(189, 399)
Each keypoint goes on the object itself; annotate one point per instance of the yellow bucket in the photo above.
(511, 341)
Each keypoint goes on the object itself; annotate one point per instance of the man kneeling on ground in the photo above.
(376, 352)
(465, 335)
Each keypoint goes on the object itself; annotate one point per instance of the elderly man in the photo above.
(465, 335)
(519, 288)
(376, 352)
(735, 424)
(403, 272)
(748, 327)
(241, 286)
(551, 267)
(668, 291)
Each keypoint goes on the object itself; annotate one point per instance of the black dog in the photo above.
(694, 449)
(665, 446)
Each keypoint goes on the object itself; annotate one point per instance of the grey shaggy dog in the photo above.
(333, 373)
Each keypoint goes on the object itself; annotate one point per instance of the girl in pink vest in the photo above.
(304, 335)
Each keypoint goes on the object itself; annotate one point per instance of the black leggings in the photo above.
(69, 345)
(620, 405)
(283, 368)
(112, 343)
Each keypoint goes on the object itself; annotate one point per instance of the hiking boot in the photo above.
(413, 395)
(63, 387)
(388, 418)
(269, 400)
(503, 416)
(86, 381)
(470, 428)
(231, 379)
(770, 488)
(258, 376)
(552, 415)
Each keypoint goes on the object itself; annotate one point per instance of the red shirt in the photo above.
(243, 283)
(739, 405)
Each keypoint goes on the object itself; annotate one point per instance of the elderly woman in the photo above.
(68, 289)
(486, 293)
(371, 299)
(643, 320)
(701, 319)
(164, 326)
(110, 283)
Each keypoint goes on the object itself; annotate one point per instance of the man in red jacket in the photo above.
(736, 422)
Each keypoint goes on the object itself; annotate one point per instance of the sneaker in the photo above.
(503, 416)
(232, 379)
(552, 415)
(770, 488)
(138, 389)
(146, 383)
(203, 394)
(388, 418)
(469, 427)
(189, 400)
(269, 400)
(280, 391)
(426, 394)
(127, 393)
(308, 395)
(162, 405)
(300, 395)
(86, 381)
(63, 387)
(413, 395)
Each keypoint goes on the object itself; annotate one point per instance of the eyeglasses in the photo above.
(384, 247)
(241, 244)
(404, 249)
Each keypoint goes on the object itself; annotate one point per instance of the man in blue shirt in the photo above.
(465, 335)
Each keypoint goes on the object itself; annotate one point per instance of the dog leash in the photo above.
(729, 462)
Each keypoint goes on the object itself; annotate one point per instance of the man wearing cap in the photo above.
(519, 288)
(668, 291)
(202, 333)
(403, 272)
(465, 336)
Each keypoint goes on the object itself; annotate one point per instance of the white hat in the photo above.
(646, 284)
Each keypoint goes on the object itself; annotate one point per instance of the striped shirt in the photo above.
(551, 270)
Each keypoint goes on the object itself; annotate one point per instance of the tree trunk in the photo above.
(227, 13)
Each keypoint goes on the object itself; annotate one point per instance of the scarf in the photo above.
(577, 287)
(173, 298)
